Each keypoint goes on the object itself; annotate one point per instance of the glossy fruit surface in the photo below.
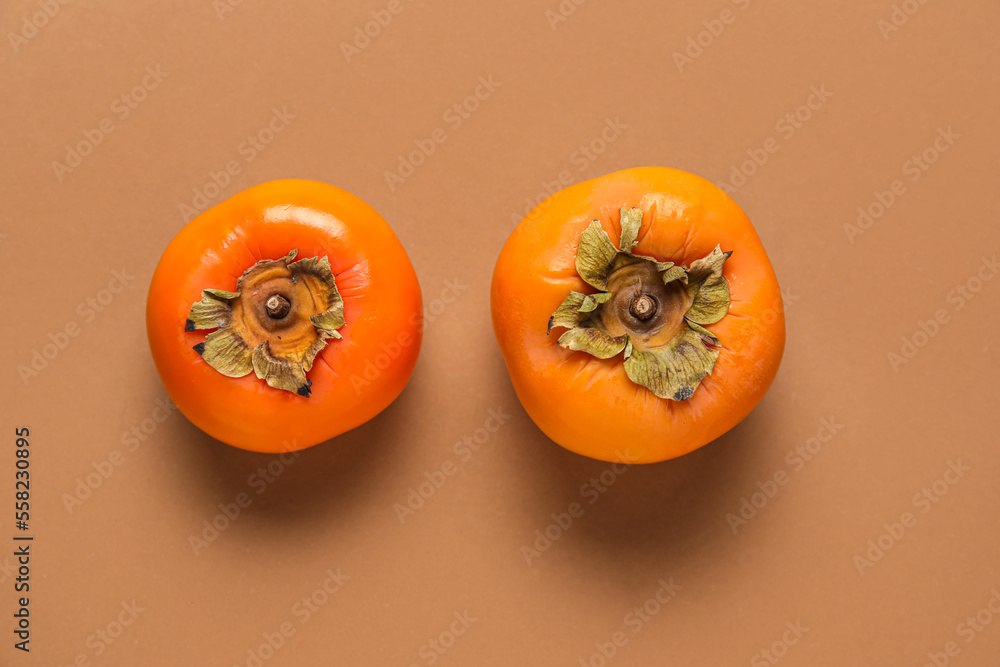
(314, 347)
(724, 362)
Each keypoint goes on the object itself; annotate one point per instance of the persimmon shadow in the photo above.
(670, 513)
(653, 517)
(310, 483)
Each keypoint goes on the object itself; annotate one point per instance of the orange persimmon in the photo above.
(638, 315)
(284, 316)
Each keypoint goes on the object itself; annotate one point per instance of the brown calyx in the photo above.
(275, 324)
(649, 312)
(288, 330)
(652, 312)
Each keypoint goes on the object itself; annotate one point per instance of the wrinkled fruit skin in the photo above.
(589, 405)
(353, 379)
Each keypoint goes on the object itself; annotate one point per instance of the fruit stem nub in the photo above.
(643, 307)
(277, 306)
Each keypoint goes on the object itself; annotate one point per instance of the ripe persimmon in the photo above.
(638, 315)
(312, 311)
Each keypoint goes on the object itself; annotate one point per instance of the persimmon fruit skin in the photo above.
(353, 379)
(589, 405)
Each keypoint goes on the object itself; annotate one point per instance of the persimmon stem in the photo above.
(643, 307)
(277, 306)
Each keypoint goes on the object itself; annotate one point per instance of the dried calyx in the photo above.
(275, 323)
(651, 311)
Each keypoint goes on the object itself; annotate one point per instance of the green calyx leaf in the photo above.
(631, 221)
(595, 255)
(672, 273)
(214, 311)
(281, 373)
(673, 371)
(671, 365)
(568, 314)
(227, 352)
(594, 341)
(592, 301)
(708, 288)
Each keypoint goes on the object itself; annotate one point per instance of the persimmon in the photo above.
(284, 316)
(638, 315)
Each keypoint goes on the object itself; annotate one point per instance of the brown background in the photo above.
(849, 306)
